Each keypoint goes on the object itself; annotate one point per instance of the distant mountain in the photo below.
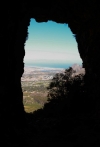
(78, 69)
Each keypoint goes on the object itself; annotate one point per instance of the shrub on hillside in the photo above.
(63, 83)
(66, 91)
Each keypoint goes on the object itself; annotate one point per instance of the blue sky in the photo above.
(50, 43)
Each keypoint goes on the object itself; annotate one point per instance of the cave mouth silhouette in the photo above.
(34, 46)
(83, 18)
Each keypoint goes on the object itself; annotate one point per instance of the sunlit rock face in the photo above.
(83, 18)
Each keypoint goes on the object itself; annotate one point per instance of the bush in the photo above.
(66, 90)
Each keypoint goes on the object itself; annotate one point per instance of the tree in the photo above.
(66, 93)
(60, 84)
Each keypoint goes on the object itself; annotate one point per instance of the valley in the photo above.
(34, 85)
(35, 81)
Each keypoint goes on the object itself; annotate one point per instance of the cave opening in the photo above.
(50, 48)
(80, 128)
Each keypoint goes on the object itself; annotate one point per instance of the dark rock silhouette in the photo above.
(83, 18)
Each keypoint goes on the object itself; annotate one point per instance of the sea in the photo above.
(61, 65)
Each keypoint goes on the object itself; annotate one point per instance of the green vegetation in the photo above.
(60, 84)
(32, 107)
(34, 94)
(64, 91)
(37, 93)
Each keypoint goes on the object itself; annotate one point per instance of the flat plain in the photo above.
(34, 85)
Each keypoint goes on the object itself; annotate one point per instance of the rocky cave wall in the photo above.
(83, 19)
